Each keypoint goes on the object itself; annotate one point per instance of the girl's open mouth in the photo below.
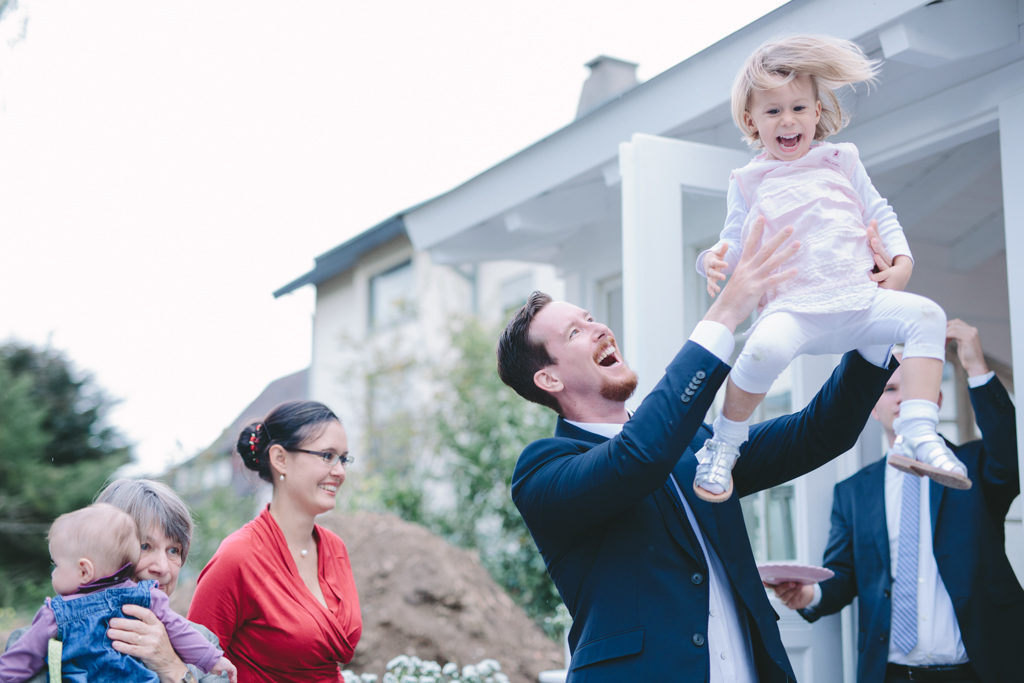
(789, 143)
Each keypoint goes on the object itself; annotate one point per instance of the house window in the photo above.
(392, 296)
(390, 411)
(514, 293)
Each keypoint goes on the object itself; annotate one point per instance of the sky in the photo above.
(164, 167)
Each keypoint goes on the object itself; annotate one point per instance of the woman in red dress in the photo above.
(279, 592)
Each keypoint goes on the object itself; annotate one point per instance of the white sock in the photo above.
(918, 418)
(729, 432)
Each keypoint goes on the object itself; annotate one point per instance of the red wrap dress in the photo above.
(269, 624)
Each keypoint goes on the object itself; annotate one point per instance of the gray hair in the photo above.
(153, 505)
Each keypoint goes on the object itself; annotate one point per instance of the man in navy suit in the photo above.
(661, 585)
(957, 611)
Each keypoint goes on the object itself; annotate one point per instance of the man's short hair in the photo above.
(520, 357)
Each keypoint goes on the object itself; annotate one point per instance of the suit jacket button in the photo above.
(700, 374)
(886, 593)
(688, 391)
(685, 398)
(697, 578)
(698, 639)
(881, 638)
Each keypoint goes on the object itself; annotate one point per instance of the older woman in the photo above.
(279, 592)
(166, 528)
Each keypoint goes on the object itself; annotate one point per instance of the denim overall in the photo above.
(82, 626)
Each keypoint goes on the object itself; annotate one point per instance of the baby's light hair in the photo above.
(831, 63)
(105, 534)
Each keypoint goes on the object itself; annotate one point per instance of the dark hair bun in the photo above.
(252, 446)
(291, 423)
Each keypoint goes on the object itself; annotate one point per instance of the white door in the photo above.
(673, 206)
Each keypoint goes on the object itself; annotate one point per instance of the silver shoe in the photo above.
(929, 456)
(716, 461)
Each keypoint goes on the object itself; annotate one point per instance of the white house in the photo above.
(621, 200)
(382, 314)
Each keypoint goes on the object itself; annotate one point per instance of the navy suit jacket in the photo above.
(618, 544)
(967, 539)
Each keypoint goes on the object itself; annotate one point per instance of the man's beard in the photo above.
(619, 390)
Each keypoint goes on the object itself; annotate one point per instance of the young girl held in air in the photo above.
(784, 101)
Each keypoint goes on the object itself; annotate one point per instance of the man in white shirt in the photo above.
(661, 585)
(938, 598)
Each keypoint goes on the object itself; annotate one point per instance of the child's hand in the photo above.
(714, 267)
(225, 668)
(889, 273)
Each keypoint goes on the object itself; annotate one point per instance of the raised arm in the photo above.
(561, 492)
(787, 447)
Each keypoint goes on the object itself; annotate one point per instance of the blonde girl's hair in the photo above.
(103, 533)
(831, 63)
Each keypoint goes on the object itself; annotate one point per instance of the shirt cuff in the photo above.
(978, 381)
(876, 355)
(716, 338)
(816, 600)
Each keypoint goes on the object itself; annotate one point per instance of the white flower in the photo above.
(428, 679)
(500, 678)
(349, 676)
(390, 678)
(399, 660)
(368, 678)
(450, 668)
(410, 679)
(468, 671)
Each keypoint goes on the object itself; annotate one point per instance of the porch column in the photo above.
(1011, 150)
(652, 261)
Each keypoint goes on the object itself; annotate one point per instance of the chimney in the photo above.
(609, 78)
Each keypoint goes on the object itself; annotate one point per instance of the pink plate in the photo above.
(779, 572)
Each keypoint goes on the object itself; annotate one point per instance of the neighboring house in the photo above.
(381, 327)
(218, 467)
(623, 199)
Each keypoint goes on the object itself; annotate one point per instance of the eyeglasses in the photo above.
(330, 459)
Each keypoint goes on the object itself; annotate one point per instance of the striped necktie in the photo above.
(904, 592)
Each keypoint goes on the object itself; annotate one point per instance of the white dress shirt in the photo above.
(729, 647)
(938, 634)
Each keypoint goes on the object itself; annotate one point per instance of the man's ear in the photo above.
(874, 414)
(86, 571)
(547, 379)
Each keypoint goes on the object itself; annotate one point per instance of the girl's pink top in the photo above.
(828, 199)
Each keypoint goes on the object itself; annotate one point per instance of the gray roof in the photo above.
(347, 254)
(291, 387)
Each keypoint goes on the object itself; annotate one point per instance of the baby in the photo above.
(94, 552)
(784, 102)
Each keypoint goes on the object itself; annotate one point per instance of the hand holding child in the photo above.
(889, 273)
(225, 668)
(714, 267)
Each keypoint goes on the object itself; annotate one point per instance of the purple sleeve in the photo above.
(190, 645)
(27, 655)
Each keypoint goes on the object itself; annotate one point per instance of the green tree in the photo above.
(482, 428)
(56, 452)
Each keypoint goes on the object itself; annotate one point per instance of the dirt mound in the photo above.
(422, 596)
